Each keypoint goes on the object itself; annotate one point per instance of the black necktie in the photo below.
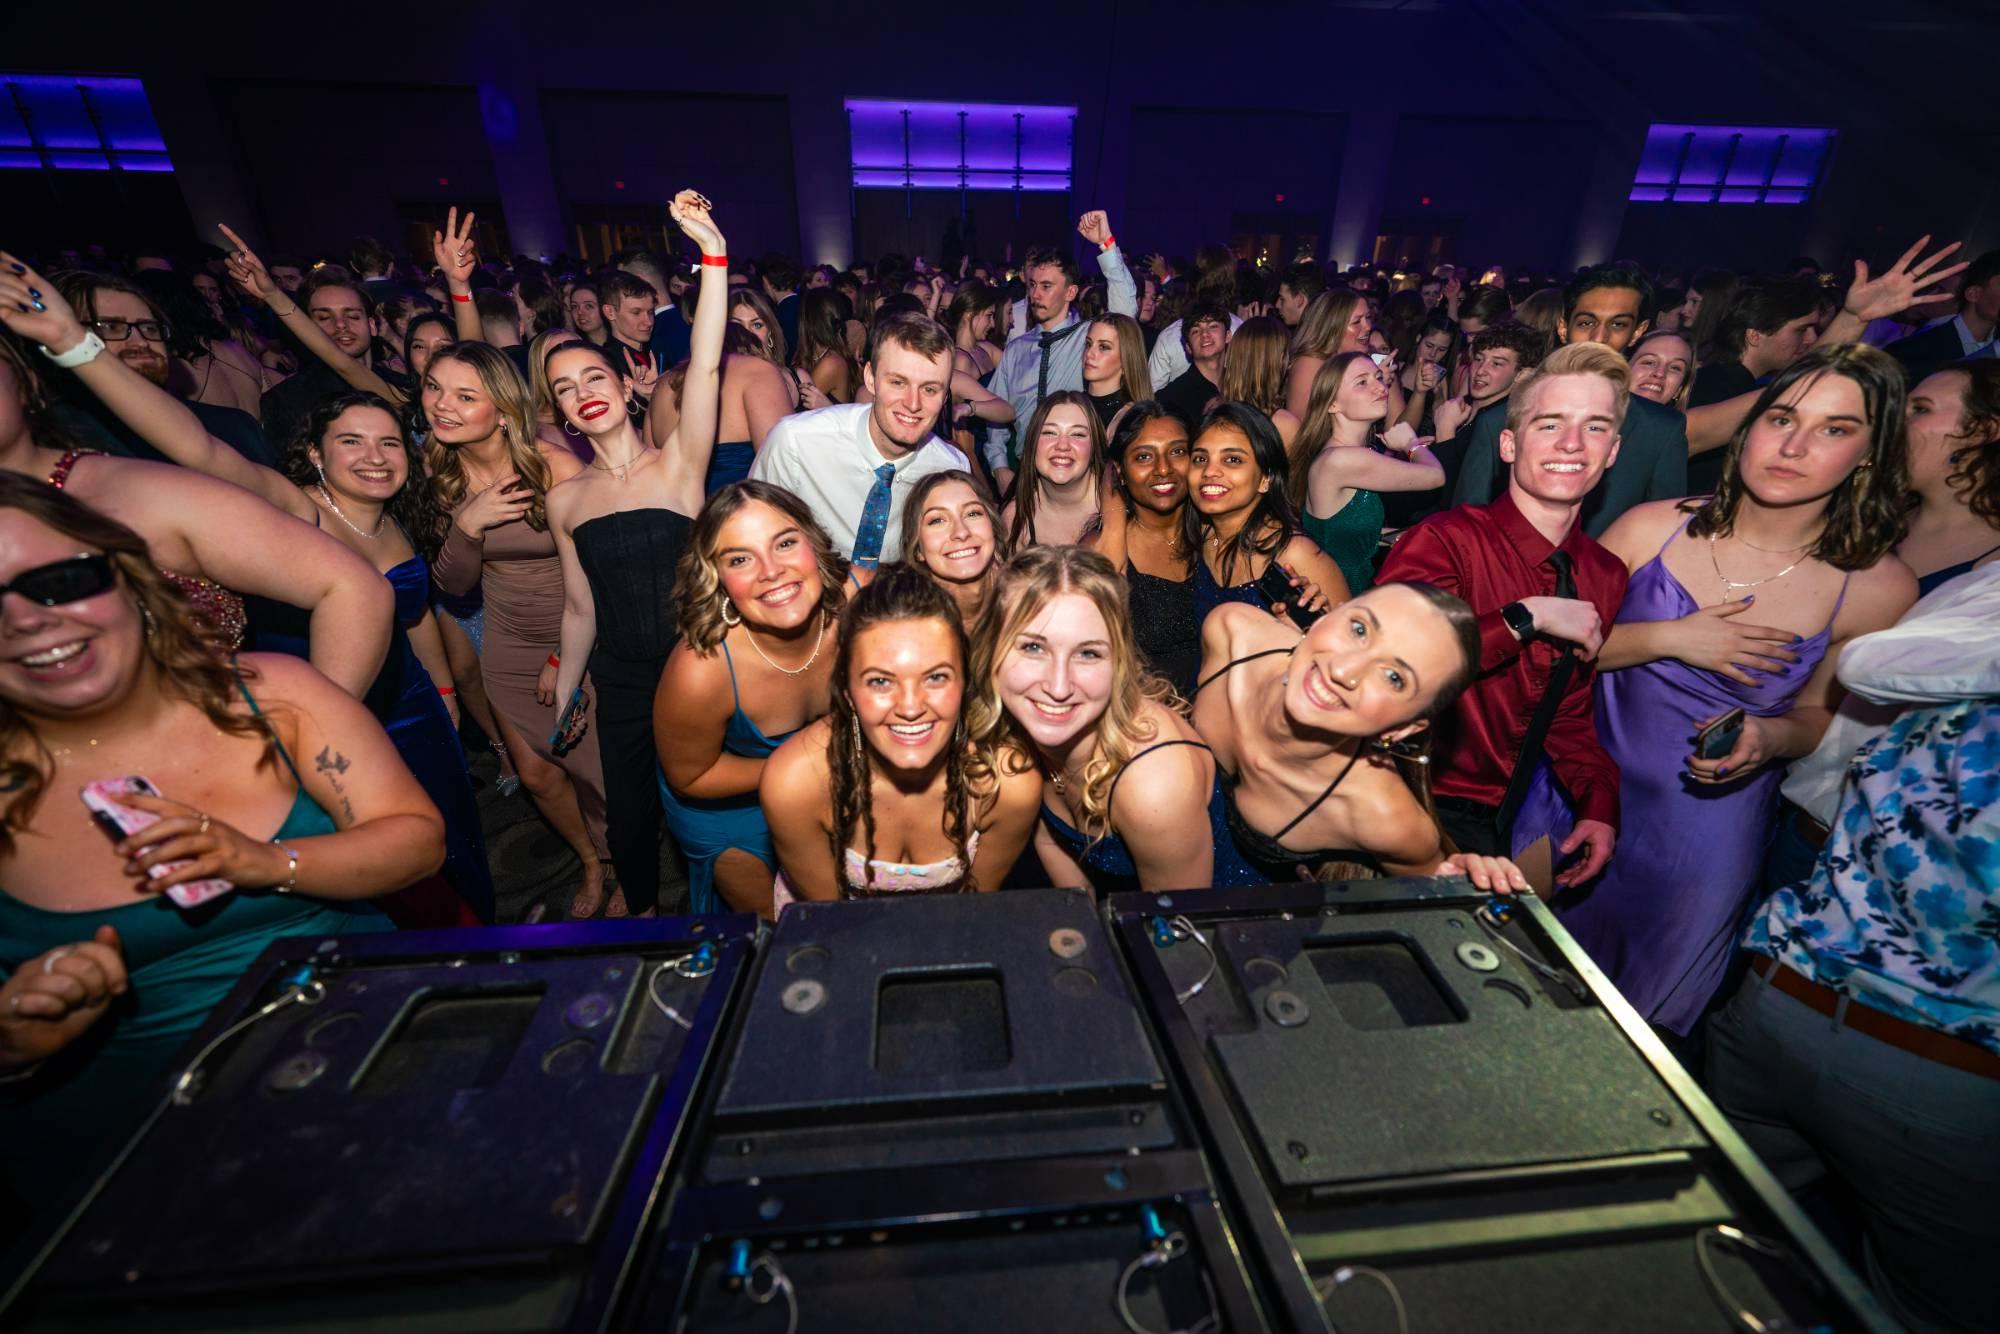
(1545, 712)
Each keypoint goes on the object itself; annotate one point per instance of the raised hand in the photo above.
(456, 255)
(31, 306)
(1429, 373)
(1450, 415)
(246, 270)
(643, 371)
(1901, 285)
(1095, 226)
(693, 214)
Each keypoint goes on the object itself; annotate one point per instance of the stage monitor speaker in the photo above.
(1432, 1111)
(416, 1131)
(943, 1112)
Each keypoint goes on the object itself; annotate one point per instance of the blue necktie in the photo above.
(874, 518)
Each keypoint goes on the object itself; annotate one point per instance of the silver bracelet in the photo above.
(291, 885)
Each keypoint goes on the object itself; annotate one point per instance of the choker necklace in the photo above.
(802, 669)
(1730, 586)
(327, 496)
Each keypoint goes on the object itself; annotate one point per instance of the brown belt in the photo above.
(1809, 829)
(1929, 1043)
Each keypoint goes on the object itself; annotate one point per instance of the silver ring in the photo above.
(60, 952)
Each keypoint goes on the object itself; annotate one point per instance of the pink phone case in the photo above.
(118, 821)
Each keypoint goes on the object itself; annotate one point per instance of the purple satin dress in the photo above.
(1663, 918)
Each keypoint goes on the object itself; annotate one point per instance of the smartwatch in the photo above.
(1519, 619)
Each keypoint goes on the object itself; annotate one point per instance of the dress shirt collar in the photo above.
(1966, 341)
(1525, 537)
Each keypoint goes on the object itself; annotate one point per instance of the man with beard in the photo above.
(135, 331)
(855, 464)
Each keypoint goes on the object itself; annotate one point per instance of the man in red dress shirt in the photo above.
(1544, 593)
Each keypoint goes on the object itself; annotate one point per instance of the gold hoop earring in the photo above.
(730, 616)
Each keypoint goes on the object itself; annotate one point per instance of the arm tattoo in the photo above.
(333, 764)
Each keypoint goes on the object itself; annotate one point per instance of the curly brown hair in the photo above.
(414, 506)
(900, 592)
(698, 583)
(1975, 475)
(175, 639)
(1868, 513)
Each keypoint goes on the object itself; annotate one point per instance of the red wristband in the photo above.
(447, 690)
(1109, 241)
(718, 261)
(458, 297)
(554, 660)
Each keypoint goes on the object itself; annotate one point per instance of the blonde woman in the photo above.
(1133, 798)
(1337, 321)
(1114, 366)
(491, 474)
(1253, 371)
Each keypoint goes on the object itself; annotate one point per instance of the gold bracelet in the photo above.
(291, 885)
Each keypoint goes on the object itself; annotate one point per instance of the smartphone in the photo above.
(571, 724)
(1276, 587)
(119, 821)
(1719, 737)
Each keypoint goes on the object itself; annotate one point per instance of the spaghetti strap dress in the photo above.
(1663, 918)
(520, 578)
(1108, 863)
(707, 828)
(180, 964)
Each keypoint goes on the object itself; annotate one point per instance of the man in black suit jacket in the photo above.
(1610, 304)
(780, 277)
(1970, 333)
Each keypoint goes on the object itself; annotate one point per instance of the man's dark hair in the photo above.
(614, 287)
(1199, 312)
(1489, 305)
(648, 268)
(780, 271)
(321, 279)
(499, 307)
(1615, 274)
(847, 283)
(1765, 306)
(1529, 346)
(369, 256)
(1305, 279)
(1042, 256)
(1983, 271)
(913, 330)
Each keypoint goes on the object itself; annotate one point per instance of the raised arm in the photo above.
(456, 258)
(1121, 294)
(985, 405)
(249, 273)
(159, 418)
(1336, 470)
(1900, 286)
(692, 442)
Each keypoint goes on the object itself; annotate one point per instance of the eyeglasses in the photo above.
(117, 331)
(64, 581)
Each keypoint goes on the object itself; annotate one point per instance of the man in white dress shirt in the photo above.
(855, 463)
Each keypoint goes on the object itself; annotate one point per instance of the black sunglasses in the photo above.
(64, 581)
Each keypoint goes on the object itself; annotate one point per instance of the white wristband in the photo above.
(82, 354)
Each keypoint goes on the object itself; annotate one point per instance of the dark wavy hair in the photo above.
(413, 508)
(175, 639)
(1975, 475)
(1273, 522)
(698, 583)
(1868, 513)
(898, 592)
(1027, 481)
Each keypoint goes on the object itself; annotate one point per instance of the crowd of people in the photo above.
(1671, 598)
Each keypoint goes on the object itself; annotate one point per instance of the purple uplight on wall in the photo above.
(959, 145)
(76, 122)
(1730, 164)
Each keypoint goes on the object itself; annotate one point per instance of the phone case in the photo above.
(570, 724)
(1719, 737)
(1276, 587)
(118, 821)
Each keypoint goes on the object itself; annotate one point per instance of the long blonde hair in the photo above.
(515, 407)
(1136, 376)
(1032, 580)
(1253, 366)
(1323, 326)
(1317, 428)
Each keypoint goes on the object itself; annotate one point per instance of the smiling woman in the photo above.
(892, 769)
(1056, 498)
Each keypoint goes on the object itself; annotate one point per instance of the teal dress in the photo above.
(180, 964)
(1349, 537)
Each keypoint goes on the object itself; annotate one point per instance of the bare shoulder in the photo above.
(692, 676)
(563, 465)
(1236, 628)
(797, 773)
(1638, 534)
(1876, 598)
(1164, 781)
